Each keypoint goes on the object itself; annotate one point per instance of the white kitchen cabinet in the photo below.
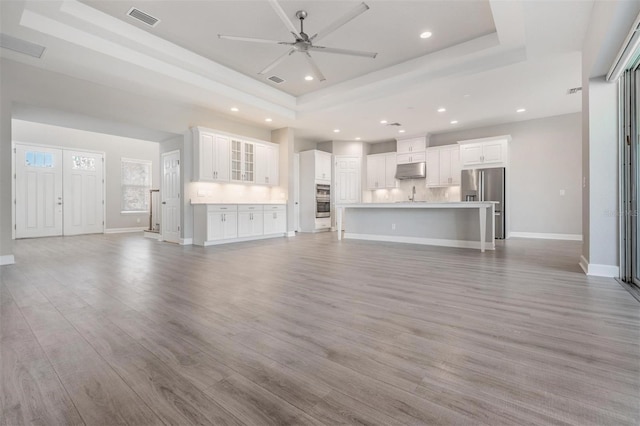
(413, 145)
(433, 166)
(443, 165)
(484, 153)
(418, 157)
(266, 160)
(275, 219)
(381, 171)
(242, 161)
(228, 223)
(222, 222)
(250, 220)
(212, 151)
(323, 166)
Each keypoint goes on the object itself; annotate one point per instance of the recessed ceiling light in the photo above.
(268, 120)
(454, 121)
(520, 110)
(401, 131)
(383, 121)
(309, 78)
(336, 130)
(426, 34)
(358, 138)
(234, 109)
(442, 109)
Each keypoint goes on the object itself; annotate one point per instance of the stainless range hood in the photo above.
(411, 171)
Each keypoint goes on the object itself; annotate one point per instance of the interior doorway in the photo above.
(57, 192)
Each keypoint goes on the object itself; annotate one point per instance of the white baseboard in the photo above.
(599, 270)
(153, 235)
(419, 240)
(123, 230)
(291, 234)
(186, 241)
(7, 259)
(241, 239)
(546, 236)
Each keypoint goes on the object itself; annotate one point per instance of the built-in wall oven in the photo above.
(323, 200)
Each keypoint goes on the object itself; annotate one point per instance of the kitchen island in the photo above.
(455, 224)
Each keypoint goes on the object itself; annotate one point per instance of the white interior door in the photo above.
(170, 194)
(348, 177)
(38, 191)
(83, 200)
(296, 192)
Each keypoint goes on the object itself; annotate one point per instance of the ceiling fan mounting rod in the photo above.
(301, 14)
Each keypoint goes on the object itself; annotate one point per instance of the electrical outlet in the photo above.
(562, 192)
(393, 226)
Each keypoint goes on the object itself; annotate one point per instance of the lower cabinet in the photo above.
(227, 223)
(250, 220)
(275, 219)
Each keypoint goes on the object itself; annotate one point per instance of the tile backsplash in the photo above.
(423, 193)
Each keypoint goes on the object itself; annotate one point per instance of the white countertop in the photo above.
(421, 205)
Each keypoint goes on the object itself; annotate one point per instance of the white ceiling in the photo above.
(485, 59)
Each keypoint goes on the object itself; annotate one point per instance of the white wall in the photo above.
(114, 148)
(546, 157)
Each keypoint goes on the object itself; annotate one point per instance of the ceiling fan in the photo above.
(303, 43)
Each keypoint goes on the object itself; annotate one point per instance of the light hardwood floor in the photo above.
(118, 329)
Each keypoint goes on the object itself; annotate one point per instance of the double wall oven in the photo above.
(323, 200)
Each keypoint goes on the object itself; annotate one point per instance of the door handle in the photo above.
(164, 202)
(59, 203)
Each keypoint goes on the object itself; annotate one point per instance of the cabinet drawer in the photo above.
(275, 207)
(250, 207)
(222, 208)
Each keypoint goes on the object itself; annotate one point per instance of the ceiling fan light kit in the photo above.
(303, 43)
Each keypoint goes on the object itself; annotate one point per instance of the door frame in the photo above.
(63, 148)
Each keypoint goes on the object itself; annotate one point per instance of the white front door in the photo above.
(170, 194)
(83, 202)
(38, 191)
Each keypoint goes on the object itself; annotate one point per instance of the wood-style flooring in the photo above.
(118, 329)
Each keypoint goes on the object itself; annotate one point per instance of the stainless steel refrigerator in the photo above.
(486, 185)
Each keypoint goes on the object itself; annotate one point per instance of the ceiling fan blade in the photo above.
(284, 18)
(343, 51)
(314, 66)
(361, 8)
(252, 39)
(275, 63)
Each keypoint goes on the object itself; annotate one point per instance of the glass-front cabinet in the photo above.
(242, 161)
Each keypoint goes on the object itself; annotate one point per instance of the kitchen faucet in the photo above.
(412, 197)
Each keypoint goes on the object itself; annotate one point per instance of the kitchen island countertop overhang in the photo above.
(451, 224)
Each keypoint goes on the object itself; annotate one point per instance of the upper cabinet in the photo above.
(484, 153)
(381, 171)
(323, 166)
(408, 146)
(411, 150)
(443, 166)
(211, 155)
(220, 157)
(267, 163)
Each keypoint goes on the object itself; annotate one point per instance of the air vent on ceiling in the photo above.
(394, 124)
(574, 90)
(276, 79)
(21, 46)
(143, 17)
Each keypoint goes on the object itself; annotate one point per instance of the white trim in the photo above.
(599, 270)
(123, 230)
(185, 241)
(291, 234)
(7, 259)
(152, 235)
(419, 240)
(546, 236)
